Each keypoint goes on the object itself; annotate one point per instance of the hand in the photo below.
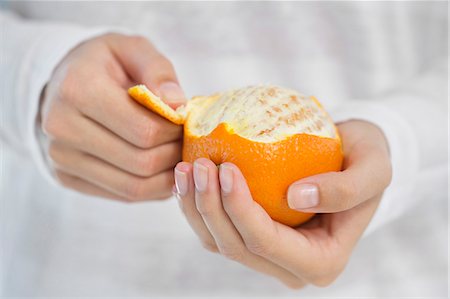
(101, 142)
(219, 207)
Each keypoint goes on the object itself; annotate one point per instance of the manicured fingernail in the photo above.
(181, 182)
(176, 194)
(226, 178)
(303, 196)
(174, 190)
(171, 92)
(200, 177)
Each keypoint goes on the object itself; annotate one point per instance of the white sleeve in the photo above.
(414, 121)
(29, 52)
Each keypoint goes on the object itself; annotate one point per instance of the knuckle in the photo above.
(165, 68)
(134, 190)
(232, 252)
(204, 209)
(264, 243)
(62, 178)
(162, 63)
(167, 185)
(138, 40)
(230, 209)
(348, 193)
(147, 133)
(111, 35)
(95, 82)
(260, 246)
(212, 247)
(54, 154)
(348, 190)
(144, 163)
(166, 194)
(67, 88)
(66, 180)
(51, 125)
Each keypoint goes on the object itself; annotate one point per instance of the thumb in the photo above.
(367, 173)
(144, 64)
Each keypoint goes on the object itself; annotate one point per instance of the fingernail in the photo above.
(174, 190)
(175, 193)
(226, 178)
(303, 196)
(171, 92)
(181, 182)
(200, 177)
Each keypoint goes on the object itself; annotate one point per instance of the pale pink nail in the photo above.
(226, 178)
(303, 196)
(200, 177)
(181, 182)
(171, 92)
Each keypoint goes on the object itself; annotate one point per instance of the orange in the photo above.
(275, 136)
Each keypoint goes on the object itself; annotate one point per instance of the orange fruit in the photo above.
(275, 136)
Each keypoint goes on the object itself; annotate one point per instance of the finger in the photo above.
(83, 186)
(105, 145)
(145, 64)
(262, 236)
(227, 238)
(107, 176)
(366, 174)
(186, 198)
(111, 107)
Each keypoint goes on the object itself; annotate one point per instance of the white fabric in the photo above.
(383, 62)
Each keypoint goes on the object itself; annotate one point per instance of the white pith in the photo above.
(262, 113)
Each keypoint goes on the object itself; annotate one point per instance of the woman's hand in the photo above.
(218, 205)
(101, 142)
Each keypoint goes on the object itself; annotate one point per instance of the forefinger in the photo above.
(262, 236)
(110, 105)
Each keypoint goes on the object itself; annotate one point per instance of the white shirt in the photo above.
(382, 62)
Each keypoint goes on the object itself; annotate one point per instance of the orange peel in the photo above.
(275, 136)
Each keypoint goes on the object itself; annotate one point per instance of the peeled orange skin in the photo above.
(268, 167)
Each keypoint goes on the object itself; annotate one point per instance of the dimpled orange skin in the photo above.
(269, 168)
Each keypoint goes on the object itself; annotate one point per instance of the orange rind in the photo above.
(275, 136)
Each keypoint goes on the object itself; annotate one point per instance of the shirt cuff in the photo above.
(403, 151)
